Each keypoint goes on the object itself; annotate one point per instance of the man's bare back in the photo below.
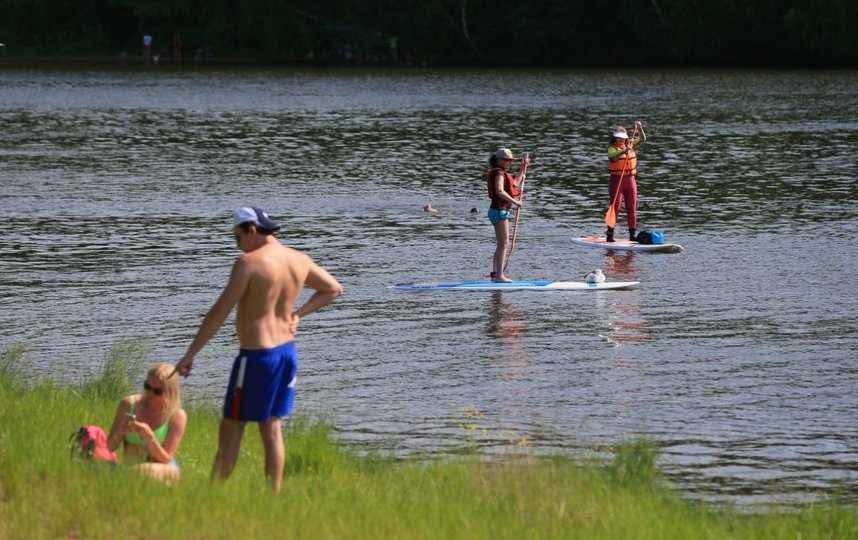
(275, 275)
(265, 283)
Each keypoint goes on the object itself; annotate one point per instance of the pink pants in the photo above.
(629, 192)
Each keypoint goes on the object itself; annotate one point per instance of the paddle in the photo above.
(611, 216)
(517, 212)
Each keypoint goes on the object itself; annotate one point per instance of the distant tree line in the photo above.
(564, 33)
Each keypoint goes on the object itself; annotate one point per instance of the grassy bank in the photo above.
(331, 492)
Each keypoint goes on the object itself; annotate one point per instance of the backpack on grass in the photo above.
(90, 443)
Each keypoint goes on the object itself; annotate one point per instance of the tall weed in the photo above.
(11, 359)
(121, 371)
(634, 464)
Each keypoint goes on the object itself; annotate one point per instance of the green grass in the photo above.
(330, 491)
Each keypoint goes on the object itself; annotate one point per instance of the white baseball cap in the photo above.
(621, 135)
(503, 153)
(252, 214)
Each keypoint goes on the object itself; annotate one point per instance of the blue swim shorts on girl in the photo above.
(496, 216)
(262, 384)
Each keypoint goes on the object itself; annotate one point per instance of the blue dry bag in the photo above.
(657, 237)
(650, 237)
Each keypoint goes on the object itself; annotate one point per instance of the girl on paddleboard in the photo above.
(622, 166)
(503, 190)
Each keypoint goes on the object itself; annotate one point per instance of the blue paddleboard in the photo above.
(518, 285)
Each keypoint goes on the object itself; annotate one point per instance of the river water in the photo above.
(737, 357)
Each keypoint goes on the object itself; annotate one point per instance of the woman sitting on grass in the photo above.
(150, 425)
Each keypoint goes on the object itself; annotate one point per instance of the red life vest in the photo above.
(508, 186)
(619, 166)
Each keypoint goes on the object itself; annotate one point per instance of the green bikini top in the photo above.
(136, 439)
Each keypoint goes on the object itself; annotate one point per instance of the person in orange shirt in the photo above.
(622, 165)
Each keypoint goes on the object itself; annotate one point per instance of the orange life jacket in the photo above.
(508, 186)
(619, 166)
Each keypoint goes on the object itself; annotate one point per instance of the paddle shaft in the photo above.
(611, 215)
(517, 215)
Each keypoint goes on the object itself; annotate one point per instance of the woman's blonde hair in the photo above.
(172, 395)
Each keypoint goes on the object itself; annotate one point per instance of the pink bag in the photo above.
(90, 442)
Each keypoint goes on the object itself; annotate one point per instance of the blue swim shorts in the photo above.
(496, 216)
(262, 384)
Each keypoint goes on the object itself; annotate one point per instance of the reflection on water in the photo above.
(624, 311)
(736, 356)
(504, 322)
(510, 329)
(621, 265)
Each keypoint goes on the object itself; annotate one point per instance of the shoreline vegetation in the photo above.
(238, 63)
(109, 61)
(333, 491)
(475, 33)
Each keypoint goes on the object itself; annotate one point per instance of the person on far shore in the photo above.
(150, 426)
(265, 283)
(622, 166)
(177, 45)
(147, 46)
(393, 47)
(503, 189)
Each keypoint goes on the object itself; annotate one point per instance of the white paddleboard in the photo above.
(518, 285)
(627, 245)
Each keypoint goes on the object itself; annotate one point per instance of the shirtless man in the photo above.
(265, 283)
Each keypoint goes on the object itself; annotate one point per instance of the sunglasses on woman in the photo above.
(149, 388)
